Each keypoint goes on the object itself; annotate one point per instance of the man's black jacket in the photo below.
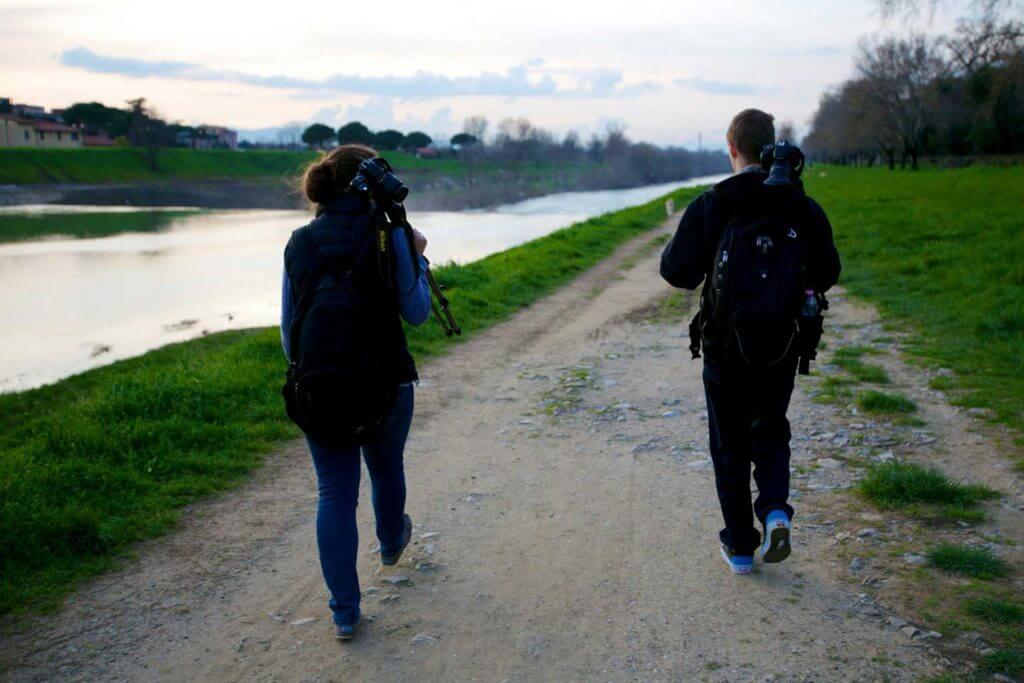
(689, 256)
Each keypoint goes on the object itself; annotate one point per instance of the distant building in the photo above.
(206, 137)
(18, 131)
(218, 136)
(30, 111)
(29, 125)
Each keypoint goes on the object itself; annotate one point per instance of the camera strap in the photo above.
(382, 237)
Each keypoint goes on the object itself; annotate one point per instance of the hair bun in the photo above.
(319, 182)
(329, 176)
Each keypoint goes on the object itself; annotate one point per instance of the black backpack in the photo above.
(754, 292)
(337, 388)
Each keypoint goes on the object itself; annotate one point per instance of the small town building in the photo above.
(18, 131)
(29, 125)
(218, 136)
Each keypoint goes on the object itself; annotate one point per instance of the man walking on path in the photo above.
(750, 357)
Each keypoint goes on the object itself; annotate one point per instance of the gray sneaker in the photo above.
(346, 631)
(389, 559)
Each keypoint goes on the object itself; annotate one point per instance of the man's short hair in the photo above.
(750, 131)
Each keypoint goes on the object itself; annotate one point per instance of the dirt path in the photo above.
(566, 528)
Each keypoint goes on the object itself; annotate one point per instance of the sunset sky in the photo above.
(666, 70)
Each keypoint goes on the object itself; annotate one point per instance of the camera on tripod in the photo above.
(783, 161)
(375, 180)
(375, 177)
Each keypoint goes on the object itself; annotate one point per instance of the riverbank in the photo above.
(93, 463)
(565, 527)
(265, 179)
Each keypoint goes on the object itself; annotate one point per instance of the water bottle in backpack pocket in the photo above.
(337, 389)
(755, 287)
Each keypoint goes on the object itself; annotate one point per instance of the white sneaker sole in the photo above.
(736, 568)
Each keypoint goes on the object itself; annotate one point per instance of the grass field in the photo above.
(29, 166)
(95, 462)
(941, 252)
(98, 461)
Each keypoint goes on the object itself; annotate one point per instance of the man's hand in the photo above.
(420, 241)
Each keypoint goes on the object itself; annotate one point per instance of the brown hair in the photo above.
(750, 131)
(329, 176)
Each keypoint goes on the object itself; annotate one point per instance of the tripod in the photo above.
(441, 308)
(395, 212)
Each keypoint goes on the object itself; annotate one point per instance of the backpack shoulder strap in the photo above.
(303, 282)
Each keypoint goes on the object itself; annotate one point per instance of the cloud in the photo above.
(719, 87)
(83, 58)
(525, 80)
(379, 114)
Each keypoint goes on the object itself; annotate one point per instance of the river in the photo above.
(85, 286)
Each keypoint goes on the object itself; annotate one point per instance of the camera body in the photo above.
(376, 177)
(783, 161)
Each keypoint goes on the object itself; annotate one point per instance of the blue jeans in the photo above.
(337, 473)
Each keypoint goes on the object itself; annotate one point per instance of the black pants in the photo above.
(747, 424)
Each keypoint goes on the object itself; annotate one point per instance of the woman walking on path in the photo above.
(343, 232)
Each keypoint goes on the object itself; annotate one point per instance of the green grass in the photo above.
(923, 491)
(1009, 661)
(995, 610)
(30, 166)
(835, 389)
(30, 226)
(941, 252)
(849, 359)
(879, 402)
(967, 561)
(96, 462)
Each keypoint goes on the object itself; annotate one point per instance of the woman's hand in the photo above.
(420, 241)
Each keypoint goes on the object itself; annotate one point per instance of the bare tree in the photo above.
(899, 74)
(146, 130)
(475, 126)
(786, 131)
(289, 135)
(984, 42)
(616, 144)
(912, 8)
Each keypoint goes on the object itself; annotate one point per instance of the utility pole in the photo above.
(700, 143)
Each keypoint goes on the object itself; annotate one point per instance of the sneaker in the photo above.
(776, 546)
(739, 564)
(346, 631)
(388, 559)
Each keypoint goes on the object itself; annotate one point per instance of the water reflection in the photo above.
(72, 304)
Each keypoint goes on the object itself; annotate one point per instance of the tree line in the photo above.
(955, 95)
(136, 124)
(611, 158)
(517, 143)
(320, 135)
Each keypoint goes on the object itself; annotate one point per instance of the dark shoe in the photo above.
(777, 530)
(388, 559)
(345, 631)
(739, 564)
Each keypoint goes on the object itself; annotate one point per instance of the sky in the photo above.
(666, 71)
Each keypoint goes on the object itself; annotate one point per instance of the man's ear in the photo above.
(733, 152)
